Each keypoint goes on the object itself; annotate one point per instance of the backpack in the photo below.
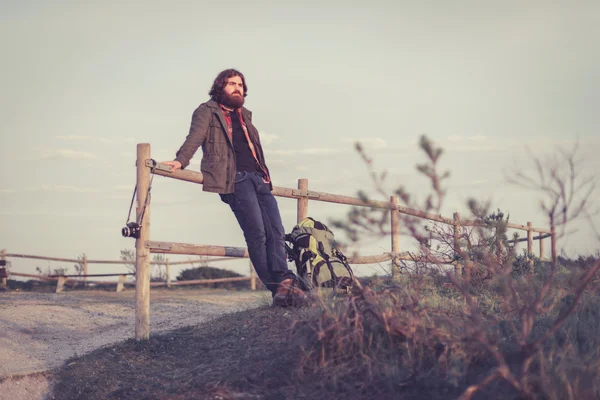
(319, 263)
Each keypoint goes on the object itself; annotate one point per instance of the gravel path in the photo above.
(40, 331)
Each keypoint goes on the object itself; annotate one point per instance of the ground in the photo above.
(39, 332)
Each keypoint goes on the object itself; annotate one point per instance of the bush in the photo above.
(192, 274)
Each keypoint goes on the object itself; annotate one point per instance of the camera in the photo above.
(131, 230)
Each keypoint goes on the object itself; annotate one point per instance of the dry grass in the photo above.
(405, 340)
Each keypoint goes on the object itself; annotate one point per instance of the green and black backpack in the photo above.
(319, 262)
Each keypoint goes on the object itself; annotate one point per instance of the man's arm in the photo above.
(194, 139)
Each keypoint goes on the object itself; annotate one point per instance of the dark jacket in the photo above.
(209, 130)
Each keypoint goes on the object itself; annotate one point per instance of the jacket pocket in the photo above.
(217, 139)
(214, 171)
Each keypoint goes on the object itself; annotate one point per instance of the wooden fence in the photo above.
(83, 278)
(146, 166)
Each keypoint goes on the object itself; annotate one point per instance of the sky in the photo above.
(493, 83)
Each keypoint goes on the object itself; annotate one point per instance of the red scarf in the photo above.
(238, 111)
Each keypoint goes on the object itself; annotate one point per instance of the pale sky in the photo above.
(83, 82)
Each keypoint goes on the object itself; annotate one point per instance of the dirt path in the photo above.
(40, 331)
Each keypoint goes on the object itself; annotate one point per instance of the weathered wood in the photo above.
(541, 249)
(530, 238)
(42, 258)
(182, 175)
(302, 209)
(142, 254)
(168, 267)
(67, 279)
(540, 237)
(121, 284)
(194, 261)
(196, 249)
(60, 284)
(114, 262)
(395, 234)
(85, 270)
(353, 201)
(526, 228)
(109, 262)
(196, 177)
(36, 276)
(84, 276)
(374, 259)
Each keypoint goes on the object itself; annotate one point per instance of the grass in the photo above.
(411, 340)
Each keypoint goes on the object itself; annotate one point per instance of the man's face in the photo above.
(233, 92)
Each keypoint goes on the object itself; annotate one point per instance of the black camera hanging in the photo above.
(132, 229)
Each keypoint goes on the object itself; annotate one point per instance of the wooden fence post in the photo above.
(395, 233)
(541, 247)
(121, 283)
(457, 265)
(85, 271)
(142, 254)
(168, 267)
(60, 284)
(3, 257)
(529, 238)
(252, 277)
(302, 202)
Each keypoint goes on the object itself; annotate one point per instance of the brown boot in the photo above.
(289, 295)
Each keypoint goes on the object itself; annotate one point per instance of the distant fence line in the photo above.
(73, 279)
(146, 166)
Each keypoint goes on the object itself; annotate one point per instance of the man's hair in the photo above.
(216, 91)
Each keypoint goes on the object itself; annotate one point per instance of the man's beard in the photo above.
(233, 100)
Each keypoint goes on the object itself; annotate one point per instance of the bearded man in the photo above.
(233, 165)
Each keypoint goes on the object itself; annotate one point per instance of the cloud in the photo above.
(473, 147)
(370, 143)
(97, 139)
(460, 138)
(267, 138)
(63, 189)
(123, 188)
(67, 154)
(313, 151)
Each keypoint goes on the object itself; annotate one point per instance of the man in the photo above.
(233, 165)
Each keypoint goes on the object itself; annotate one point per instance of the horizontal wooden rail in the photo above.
(242, 252)
(57, 277)
(132, 262)
(42, 277)
(85, 276)
(196, 177)
(43, 258)
(194, 261)
(195, 249)
(526, 228)
(540, 237)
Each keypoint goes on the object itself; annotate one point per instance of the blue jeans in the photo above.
(257, 213)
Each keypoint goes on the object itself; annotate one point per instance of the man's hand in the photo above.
(175, 164)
